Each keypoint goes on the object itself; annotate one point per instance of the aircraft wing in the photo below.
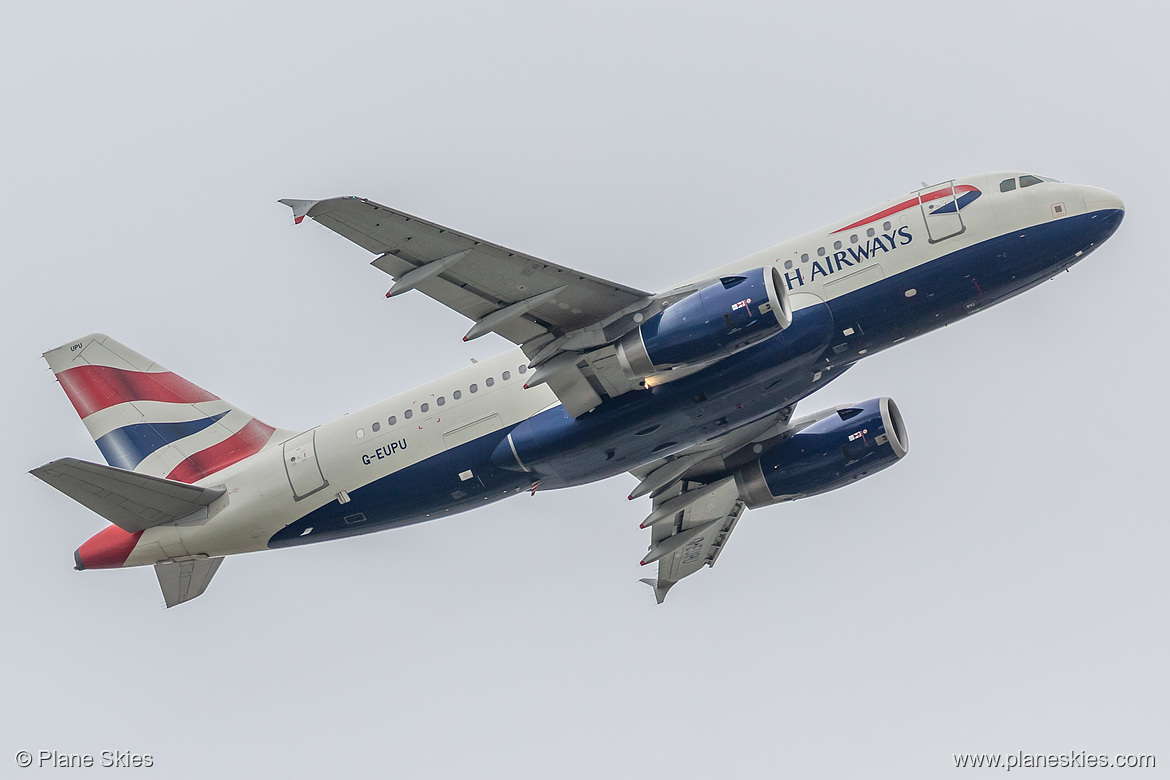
(476, 278)
(549, 310)
(684, 541)
(696, 503)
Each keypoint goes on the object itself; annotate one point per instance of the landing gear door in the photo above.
(940, 209)
(300, 463)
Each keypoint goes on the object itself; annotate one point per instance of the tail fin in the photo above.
(149, 420)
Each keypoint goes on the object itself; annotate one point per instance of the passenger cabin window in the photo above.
(1007, 185)
(1029, 180)
(392, 421)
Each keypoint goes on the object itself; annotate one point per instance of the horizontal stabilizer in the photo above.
(184, 580)
(131, 501)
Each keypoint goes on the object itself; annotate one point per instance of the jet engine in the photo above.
(712, 323)
(846, 445)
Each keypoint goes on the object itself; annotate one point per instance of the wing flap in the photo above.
(131, 501)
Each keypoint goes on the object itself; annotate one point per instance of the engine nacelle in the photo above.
(832, 452)
(720, 320)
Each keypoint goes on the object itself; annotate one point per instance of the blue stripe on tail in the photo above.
(126, 447)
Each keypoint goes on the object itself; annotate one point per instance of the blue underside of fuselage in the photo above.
(748, 386)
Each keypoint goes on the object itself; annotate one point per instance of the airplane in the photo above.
(692, 389)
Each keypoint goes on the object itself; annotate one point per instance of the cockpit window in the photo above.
(1027, 180)
(1007, 185)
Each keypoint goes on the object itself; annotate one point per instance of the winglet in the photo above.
(299, 207)
(659, 590)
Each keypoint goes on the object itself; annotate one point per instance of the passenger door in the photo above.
(940, 210)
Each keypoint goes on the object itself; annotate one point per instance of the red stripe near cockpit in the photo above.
(940, 193)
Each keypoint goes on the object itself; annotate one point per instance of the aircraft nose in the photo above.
(1097, 199)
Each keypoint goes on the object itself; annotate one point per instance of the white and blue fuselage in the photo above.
(856, 287)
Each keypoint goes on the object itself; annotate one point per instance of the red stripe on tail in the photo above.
(248, 441)
(107, 549)
(93, 388)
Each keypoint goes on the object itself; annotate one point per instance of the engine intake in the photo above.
(845, 446)
(730, 315)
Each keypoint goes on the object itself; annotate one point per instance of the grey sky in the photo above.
(1003, 588)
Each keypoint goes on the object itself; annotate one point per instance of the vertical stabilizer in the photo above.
(147, 419)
